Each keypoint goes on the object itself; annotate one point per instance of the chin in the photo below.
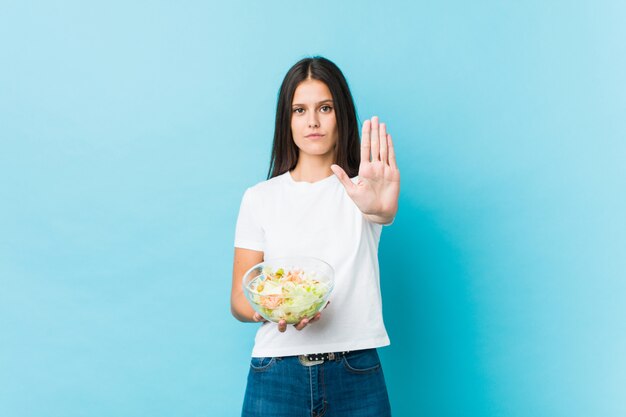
(314, 148)
(316, 151)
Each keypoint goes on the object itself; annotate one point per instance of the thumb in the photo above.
(343, 177)
(257, 317)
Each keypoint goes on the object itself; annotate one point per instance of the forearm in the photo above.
(241, 309)
(378, 219)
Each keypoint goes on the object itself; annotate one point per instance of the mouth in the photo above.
(314, 136)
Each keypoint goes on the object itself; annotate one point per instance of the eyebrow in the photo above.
(317, 104)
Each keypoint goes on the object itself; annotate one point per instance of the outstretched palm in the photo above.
(377, 190)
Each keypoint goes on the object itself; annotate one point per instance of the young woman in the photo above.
(326, 197)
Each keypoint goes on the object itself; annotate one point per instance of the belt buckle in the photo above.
(306, 362)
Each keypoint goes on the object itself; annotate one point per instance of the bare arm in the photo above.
(239, 306)
(379, 219)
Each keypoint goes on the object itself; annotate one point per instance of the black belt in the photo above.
(317, 358)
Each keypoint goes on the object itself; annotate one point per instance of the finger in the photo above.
(343, 178)
(316, 318)
(375, 140)
(383, 143)
(365, 141)
(392, 153)
(302, 324)
(282, 326)
(257, 317)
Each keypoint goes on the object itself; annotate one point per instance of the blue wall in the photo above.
(129, 131)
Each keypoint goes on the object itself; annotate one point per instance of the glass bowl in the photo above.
(289, 289)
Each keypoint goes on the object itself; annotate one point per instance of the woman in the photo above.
(325, 197)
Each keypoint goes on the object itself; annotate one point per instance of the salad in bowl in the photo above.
(289, 289)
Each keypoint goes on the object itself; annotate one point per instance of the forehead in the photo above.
(311, 91)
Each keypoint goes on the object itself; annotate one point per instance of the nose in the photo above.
(313, 122)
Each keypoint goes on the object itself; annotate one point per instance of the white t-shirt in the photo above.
(282, 217)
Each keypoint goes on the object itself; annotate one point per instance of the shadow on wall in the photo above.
(432, 366)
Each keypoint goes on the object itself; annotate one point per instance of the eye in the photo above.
(326, 109)
(298, 110)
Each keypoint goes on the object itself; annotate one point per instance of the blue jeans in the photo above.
(352, 386)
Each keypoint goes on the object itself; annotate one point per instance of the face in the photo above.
(313, 121)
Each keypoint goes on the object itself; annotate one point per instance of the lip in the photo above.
(314, 135)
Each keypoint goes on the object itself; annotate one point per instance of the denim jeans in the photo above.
(352, 386)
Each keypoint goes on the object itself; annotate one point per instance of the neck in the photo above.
(312, 169)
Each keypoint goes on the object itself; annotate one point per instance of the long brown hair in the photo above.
(284, 150)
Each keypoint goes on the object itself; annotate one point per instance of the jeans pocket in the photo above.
(362, 362)
(262, 364)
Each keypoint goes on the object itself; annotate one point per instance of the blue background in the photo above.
(129, 131)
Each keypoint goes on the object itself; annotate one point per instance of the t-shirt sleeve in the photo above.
(249, 233)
